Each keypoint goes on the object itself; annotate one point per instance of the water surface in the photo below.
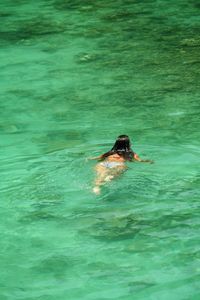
(74, 75)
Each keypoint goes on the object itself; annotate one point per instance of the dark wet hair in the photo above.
(122, 147)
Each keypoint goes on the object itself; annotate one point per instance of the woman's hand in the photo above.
(95, 158)
(92, 158)
(148, 161)
(136, 157)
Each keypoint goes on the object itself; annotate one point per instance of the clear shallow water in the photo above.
(73, 77)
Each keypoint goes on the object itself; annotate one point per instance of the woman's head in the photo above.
(122, 144)
(122, 147)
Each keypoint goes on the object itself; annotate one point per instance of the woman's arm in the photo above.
(136, 157)
(101, 157)
(95, 158)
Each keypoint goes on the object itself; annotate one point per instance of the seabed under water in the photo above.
(74, 75)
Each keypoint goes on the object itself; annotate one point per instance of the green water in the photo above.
(74, 75)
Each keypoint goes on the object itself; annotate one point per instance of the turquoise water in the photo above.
(74, 75)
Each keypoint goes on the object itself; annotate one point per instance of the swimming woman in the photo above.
(113, 162)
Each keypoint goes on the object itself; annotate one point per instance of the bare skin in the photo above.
(105, 174)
